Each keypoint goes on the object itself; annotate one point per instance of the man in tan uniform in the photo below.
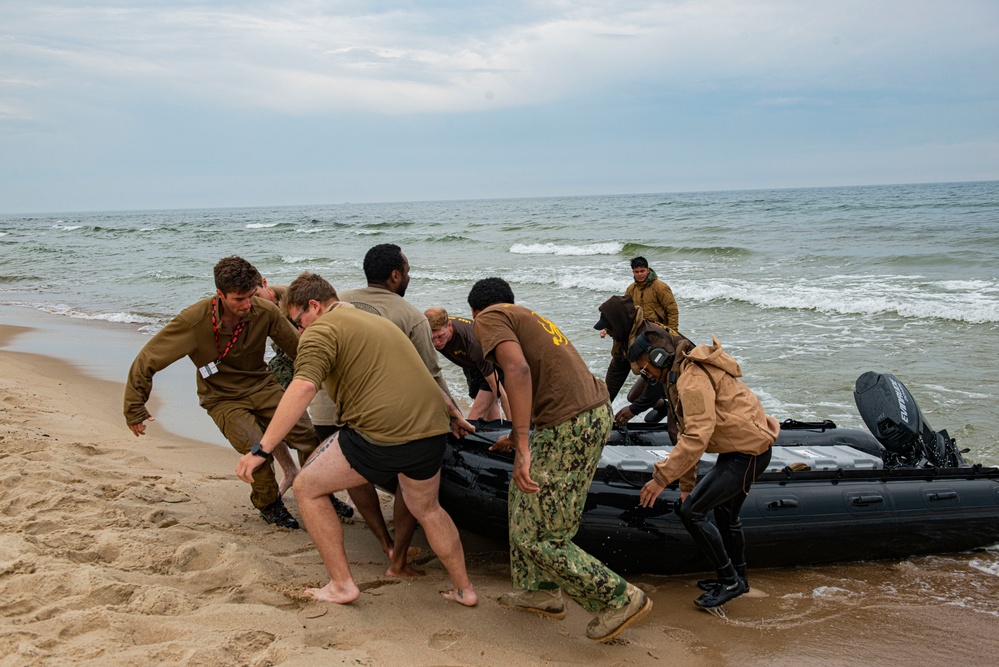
(225, 336)
(395, 419)
(652, 295)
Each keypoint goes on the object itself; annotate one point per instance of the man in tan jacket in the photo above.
(717, 413)
(652, 295)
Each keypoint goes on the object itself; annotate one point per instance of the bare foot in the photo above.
(407, 572)
(287, 480)
(340, 594)
(411, 554)
(463, 596)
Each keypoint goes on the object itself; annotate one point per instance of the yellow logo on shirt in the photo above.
(558, 338)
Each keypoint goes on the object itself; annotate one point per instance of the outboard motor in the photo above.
(893, 417)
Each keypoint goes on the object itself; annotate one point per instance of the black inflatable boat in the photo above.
(830, 494)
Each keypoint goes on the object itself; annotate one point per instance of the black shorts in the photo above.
(325, 431)
(477, 382)
(379, 464)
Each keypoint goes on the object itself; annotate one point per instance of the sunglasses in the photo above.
(647, 375)
(297, 322)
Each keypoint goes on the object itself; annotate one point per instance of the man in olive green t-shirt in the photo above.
(396, 421)
(549, 384)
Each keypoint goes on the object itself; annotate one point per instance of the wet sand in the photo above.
(138, 551)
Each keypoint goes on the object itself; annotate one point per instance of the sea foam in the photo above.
(609, 248)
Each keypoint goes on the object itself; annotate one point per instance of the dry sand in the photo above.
(118, 550)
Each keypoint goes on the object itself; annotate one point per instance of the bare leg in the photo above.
(493, 413)
(421, 497)
(365, 499)
(405, 528)
(288, 467)
(485, 406)
(327, 472)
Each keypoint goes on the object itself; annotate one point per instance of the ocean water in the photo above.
(807, 288)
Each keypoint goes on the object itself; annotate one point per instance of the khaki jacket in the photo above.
(655, 298)
(717, 413)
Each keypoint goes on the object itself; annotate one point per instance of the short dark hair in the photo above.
(305, 288)
(644, 343)
(489, 291)
(380, 261)
(235, 274)
(639, 262)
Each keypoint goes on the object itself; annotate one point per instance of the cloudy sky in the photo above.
(170, 104)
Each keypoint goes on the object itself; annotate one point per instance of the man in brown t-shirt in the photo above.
(547, 382)
(455, 339)
(395, 424)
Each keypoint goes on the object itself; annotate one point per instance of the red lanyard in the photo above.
(215, 330)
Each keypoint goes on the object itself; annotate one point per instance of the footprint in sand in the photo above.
(315, 610)
(369, 586)
(445, 639)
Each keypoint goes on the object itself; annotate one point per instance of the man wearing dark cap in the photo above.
(625, 322)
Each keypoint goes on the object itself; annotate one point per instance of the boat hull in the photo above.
(823, 515)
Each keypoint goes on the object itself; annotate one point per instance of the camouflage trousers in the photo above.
(542, 525)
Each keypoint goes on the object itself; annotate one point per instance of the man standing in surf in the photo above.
(553, 466)
(396, 422)
(652, 295)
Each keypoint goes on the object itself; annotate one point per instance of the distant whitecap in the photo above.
(610, 248)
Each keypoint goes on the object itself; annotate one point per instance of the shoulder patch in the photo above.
(692, 402)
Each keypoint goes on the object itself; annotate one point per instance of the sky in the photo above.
(184, 104)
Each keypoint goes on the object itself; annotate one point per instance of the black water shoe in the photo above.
(342, 509)
(708, 584)
(277, 514)
(722, 593)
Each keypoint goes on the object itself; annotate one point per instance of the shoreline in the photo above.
(137, 551)
(104, 351)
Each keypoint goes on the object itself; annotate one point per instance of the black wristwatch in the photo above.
(257, 450)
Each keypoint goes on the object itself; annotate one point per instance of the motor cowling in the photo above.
(891, 414)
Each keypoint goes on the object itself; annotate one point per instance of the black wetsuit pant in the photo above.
(723, 490)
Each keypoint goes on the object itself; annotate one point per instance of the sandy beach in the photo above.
(142, 551)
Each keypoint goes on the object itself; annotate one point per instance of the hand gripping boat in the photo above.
(829, 494)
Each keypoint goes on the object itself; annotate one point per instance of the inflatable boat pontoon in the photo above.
(829, 494)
